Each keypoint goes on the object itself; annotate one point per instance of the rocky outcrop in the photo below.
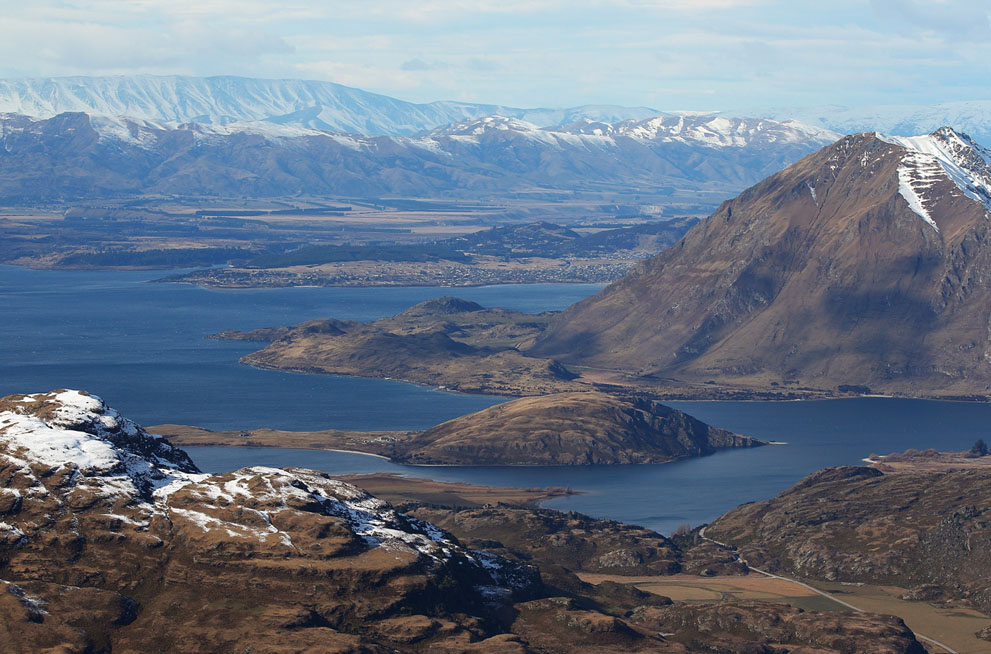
(569, 429)
(547, 537)
(578, 543)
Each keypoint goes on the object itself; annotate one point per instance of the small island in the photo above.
(586, 428)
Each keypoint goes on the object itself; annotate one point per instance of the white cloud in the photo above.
(953, 19)
(95, 48)
(727, 53)
(361, 75)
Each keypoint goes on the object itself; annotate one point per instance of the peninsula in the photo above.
(584, 428)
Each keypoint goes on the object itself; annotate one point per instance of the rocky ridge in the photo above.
(93, 503)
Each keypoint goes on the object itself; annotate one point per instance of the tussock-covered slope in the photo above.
(859, 525)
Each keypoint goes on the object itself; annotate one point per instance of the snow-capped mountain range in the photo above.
(227, 99)
(77, 155)
(334, 107)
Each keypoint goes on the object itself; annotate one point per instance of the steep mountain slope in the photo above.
(570, 429)
(226, 99)
(866, 263)
(75, 155)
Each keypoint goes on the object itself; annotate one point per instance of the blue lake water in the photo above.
(693, 491)
(143, 347)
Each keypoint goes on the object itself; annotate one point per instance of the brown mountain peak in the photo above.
(864, 263)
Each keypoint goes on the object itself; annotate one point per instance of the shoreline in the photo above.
(615, 389)
(405, 464)
(439, 389)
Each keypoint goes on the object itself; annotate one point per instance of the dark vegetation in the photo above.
(317, 254)
(161, 258)
(551, 240)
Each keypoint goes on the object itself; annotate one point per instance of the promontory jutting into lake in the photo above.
(293, 366)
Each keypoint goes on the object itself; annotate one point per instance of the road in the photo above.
(947, 648)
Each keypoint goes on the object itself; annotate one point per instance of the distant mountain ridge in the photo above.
(303, 103)
(224, 99)
(75, 155)
(972, 117)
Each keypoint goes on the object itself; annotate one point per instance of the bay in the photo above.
(143, 347)
(693, 491)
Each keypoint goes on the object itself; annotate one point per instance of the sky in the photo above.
(665, 54)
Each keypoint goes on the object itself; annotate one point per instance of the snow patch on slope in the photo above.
(942, 154)
(916, 175)
(964, 161)
(107, 453)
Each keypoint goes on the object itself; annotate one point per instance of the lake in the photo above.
(693, 491)
(143, 347)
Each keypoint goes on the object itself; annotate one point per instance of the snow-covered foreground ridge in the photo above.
(70, 447)
(110, 453)
(943, 154)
